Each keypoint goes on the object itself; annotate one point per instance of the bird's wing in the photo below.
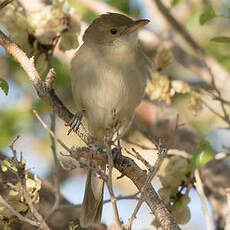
(81, 74)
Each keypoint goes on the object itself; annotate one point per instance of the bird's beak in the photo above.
(136, 25)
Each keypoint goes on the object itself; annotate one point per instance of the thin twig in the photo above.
(51, 132)
(29, 201)
(139, 157)
(139, 145)
(200, 190)
(56, 167)
(84, 152)
(20, 165)
(221, 156)
(17, 214)
(5, 3)
(214, 111)
(114, 205)
(221, 99)
(118, 198)
(128, 197)
(227, 217)
(50, 78)
(161, 155)
(109, 184)
(177, 26)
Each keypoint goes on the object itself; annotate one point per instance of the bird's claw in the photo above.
(75, 122)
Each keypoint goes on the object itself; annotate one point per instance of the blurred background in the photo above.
(176, 106)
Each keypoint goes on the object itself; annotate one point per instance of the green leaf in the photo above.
(3, 168)
(221, 39)
(207, 15)
(4, 86)
(203, 154)
(175, 2)
(7, 163)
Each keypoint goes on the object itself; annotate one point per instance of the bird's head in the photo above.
(112, 28)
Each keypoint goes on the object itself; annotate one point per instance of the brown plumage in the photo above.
(109, 74)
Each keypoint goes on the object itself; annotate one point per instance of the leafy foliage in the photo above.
(15, 194)
(207, 14)
(4, 86)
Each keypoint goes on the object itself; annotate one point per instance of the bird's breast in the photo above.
(108, 89)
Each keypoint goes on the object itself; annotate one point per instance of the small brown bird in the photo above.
(109, 74)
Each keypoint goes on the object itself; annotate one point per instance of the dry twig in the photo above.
(5, 3)
(51, 132)
(34, 211)
(56, 168)
(109, 184)
(200, 190)
(227, 219)
(20, 173)
(162, 151)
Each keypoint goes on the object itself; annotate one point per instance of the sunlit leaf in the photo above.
(3, 168)
(4, 86)
(207, 15)
(7, 163)
(203, 154)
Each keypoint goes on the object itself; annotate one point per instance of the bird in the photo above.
(108, 74)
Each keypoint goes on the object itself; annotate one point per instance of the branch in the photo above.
(21, 176)
(153, 170)
(56, 167)
(109, 184)
(200, 190)
(130, 169)
(227, 219)
(5, 3)
(178, 27)
(34, 211)
(43, 90)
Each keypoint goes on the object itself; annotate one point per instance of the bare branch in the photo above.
(109, 184)
(227, 219)
(153, 170)
(128, 197)
(221, 156)
(56, 165)
(29, 201)
(51, 132)
(5, 3)
(50, 78)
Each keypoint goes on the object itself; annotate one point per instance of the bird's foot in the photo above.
(75, 122)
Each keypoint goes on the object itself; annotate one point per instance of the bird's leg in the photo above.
(116, 151)
(75, 122)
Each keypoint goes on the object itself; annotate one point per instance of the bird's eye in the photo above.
(113, 31)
